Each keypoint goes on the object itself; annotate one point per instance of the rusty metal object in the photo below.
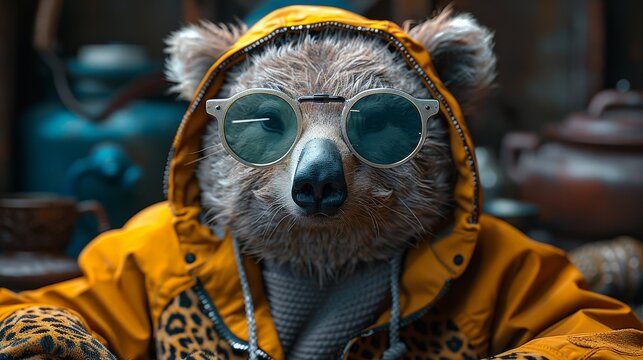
(46, 24)
(191, 11)
(402, 10)
(612, 267)
(585, 174)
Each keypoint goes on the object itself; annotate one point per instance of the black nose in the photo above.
(319, 185)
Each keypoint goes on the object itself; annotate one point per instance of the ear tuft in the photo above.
(462, 52)
(193, 49)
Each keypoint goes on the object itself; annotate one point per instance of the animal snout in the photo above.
(319, 185)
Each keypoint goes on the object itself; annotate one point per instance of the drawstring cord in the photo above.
(247, 302)
(396, 347)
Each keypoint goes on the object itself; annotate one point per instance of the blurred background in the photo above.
(86, 123)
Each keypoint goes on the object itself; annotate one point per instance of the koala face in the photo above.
(322, 211)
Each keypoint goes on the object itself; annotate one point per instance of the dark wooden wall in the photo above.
(550, 62)
(8, 10)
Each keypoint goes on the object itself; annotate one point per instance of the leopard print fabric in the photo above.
(185, 330)
(434, 336)
(48, 333)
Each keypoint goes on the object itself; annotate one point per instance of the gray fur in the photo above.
(462, 53)
(386, 209)
(193, 49)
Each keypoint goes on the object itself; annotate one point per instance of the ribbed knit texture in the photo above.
(316, 322)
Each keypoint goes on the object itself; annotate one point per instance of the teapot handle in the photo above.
(95, 208)
(514, 145)
(45, 27)
(613, 98)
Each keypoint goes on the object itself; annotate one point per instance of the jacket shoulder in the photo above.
(148, 237)
(157, 215)
(498, 235)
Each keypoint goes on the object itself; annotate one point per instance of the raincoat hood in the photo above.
(183, 189)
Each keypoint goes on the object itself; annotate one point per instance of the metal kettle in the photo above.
(106, 134)
(585, 174)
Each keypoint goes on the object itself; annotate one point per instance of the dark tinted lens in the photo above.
(260, 128)
(384, 128)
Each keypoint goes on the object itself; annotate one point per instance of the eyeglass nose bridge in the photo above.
(321, 98)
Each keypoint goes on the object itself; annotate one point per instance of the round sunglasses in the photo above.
(382, 127)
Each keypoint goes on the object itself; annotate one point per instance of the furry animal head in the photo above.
(385, 210)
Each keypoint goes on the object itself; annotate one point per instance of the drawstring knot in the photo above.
(394, 351)
(396, 347)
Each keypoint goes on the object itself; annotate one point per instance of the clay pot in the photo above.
(34, 232)
(585, 175)
(42, 222)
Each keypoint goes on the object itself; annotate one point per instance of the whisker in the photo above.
(275, 212)
(199, 159)
(412, 213)
(276, 227)
(204, 149)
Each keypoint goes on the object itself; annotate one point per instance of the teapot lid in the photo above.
(613, 118)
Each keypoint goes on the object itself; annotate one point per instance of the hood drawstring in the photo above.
(247, 302)
(396, 347)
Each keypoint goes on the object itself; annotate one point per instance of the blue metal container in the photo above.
(118, 160)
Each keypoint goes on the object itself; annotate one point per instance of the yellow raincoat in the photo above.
(165, 285)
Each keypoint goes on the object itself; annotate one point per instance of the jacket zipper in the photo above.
(220, 327)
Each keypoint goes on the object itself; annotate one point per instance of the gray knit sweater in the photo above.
(315, 322)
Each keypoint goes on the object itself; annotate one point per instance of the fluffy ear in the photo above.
(193, 49)
(461, 50)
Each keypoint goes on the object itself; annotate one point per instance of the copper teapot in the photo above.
(586, 173)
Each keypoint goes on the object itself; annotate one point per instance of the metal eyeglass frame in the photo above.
(219, 108)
